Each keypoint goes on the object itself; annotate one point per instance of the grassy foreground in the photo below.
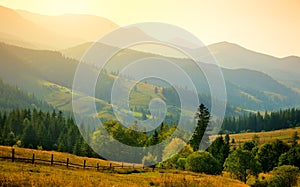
(21, 174)
(26, 174)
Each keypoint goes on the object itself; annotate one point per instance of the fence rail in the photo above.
(68, 164)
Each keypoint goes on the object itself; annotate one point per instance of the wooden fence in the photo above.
(68, 164)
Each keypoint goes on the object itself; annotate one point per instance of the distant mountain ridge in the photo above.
(50, 32)
(84, 27)
(233, 56)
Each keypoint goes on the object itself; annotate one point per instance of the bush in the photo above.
(248, 145)
(203, 162)
(39, 147)
(173, 161)
(255, 182)
(284, 176)
(292, 157)
(181, 162)
(170, 163)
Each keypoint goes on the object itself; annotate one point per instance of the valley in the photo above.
(87, 100)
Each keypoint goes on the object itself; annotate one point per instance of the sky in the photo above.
(267, 26)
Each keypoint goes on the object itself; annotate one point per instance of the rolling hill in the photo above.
(246, 88)
(30, 69)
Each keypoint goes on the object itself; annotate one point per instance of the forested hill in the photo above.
(49, 131)
(12, 97)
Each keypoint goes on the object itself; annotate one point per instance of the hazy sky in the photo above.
(268, 26)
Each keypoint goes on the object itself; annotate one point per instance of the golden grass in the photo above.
(20, 174)
(27, 174)
(284, 135)
(46, 155)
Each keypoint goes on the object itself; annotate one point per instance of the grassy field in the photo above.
(61, 97)
(46, 155)
(27, 174)
(284, 135)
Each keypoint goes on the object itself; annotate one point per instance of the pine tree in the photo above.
(199, 135)
(29, 135)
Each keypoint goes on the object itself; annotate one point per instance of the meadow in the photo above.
(27, 174)
(263, 137)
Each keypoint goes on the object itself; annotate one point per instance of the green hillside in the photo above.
(34, 70)
(246, 89)
(11, 97)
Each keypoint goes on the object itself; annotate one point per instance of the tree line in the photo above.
(52, 131)
(256, 122)
(42, 130)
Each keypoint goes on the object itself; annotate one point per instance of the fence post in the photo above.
(67, 162)
(110, 165)
(84, 164)
(122, 164)
(132, 165)
(51, 159)
(32, 159)
(97, 166)
(13, 155)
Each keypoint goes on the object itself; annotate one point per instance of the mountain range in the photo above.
(50, 32)
(40, 54)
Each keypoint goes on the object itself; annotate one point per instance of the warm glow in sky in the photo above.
(268, 26)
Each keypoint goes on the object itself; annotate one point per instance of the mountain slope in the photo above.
(85, 27)
(234, 56)
(36, 31)
(33, 70)
(12, 98)
(14, 24)
(246, 88)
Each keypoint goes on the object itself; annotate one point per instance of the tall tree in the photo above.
(199, 138)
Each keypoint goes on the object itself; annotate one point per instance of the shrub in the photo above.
(181, 162)
(203, 162)
(292, 157)
(284, 176)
